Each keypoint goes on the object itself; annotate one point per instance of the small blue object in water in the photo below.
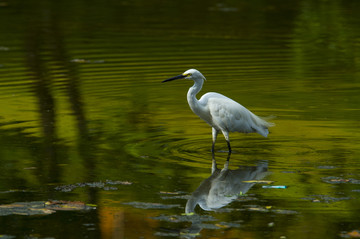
(274, 186)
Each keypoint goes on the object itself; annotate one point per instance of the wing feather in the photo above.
(231, 116)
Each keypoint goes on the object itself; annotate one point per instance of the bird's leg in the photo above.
(226, 135)
(228, 157)
(228, 143)
(214, 136)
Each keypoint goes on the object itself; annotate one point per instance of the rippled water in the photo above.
(85, 118)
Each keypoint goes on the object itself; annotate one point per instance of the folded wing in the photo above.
(230, 116)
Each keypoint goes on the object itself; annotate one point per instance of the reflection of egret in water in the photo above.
(224, 186)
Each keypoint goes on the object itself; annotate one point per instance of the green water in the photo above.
(84, 117)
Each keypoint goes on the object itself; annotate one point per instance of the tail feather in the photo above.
(262, 125)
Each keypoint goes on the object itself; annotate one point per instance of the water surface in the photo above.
(85, 116)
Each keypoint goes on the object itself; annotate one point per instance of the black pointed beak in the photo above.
(175, 78)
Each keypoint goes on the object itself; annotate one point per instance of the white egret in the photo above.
(220, 112)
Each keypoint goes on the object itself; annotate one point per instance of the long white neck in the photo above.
(191, 95)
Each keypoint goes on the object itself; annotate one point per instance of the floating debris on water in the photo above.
(150, 205)
(275, 186)
(227, 224)
(60, 205)
(326, 167)
(87, 61)
(188, 214)
(185, 218)
(325, 198)
(289, 171)
(257, 208)
(171, 193)
(259, 181)
(42, 207)
(338, 180)
(102, 185)
(351, 234)
(167, 234)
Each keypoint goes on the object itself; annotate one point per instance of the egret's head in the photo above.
(191, 74)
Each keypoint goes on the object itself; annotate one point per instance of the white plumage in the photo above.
(220, 112)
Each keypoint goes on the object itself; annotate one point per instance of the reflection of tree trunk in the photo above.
(47, 161)
(85, 145)
(72, 79)
(45, 37)
(72, 89)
